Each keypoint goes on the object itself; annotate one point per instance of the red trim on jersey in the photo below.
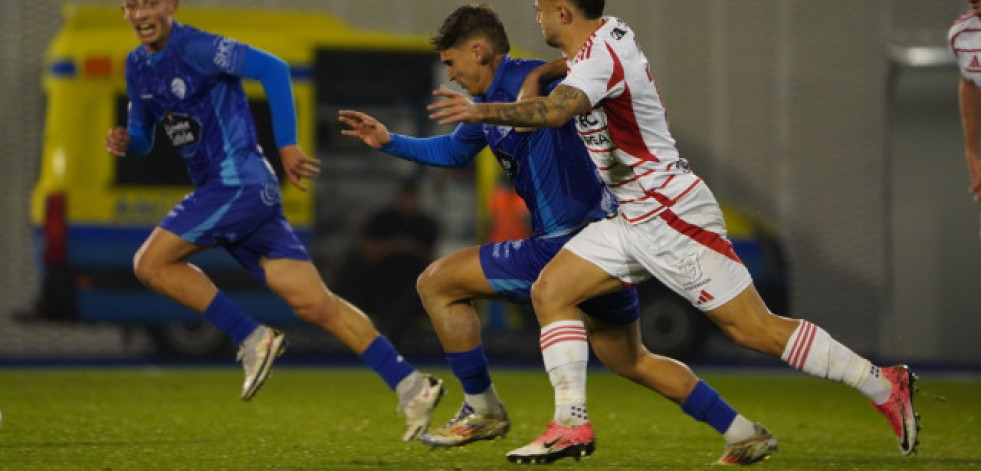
(964, 17)
(601, 151)
(707, 238)
(586, 50)
(589, 133)
(621, 118)
(654, 211)
(666, 181)
(631, 179)
(954, 39)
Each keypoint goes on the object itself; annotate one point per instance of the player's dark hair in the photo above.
(471, 21)
(591, 8)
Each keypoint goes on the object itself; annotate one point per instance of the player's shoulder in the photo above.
(510, 76)
(519, 66)
(612, 34)
(964, 22)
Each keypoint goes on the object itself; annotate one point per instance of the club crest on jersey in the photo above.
(178, 88)
(508, 163)
(181, 129)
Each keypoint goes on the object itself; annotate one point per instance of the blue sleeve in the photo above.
(451, 150)
(139, 125)
(274, 74)
(216, 55)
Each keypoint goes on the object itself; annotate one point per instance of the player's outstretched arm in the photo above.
(365, 127)
(552, 111)
(970, 101)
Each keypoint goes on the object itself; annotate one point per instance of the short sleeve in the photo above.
(215, 55)
(595, 75)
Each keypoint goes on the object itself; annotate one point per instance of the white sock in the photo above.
(409, 387)
(740, 429)
(814, 352)
(566, 353)
(485, 402)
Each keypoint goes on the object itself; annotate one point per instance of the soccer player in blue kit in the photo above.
(189, 83)
(550, 172)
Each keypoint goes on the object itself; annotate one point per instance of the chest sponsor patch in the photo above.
(181, 129)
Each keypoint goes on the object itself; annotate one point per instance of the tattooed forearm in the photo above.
(553, 110)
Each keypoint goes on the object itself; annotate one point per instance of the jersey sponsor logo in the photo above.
(597, 141)
(618, 33)
(587, 121)
(223, 53)
(178, 88)
(181, 129)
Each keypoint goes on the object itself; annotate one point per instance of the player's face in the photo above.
(463, 67)
(548, 16)
(152, 20)
(975, 7)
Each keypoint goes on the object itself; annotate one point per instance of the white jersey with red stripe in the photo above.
(965, 42)
(626, 131)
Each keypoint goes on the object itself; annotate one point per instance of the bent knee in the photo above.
(144, 269)
(545, 294)
(428, 283)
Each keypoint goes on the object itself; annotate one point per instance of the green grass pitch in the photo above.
(344, 419)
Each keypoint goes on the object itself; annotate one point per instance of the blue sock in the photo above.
(229, 318)
(382, 357)
(705, 405)
(471, 368)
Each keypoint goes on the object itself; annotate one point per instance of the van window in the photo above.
(165, 167)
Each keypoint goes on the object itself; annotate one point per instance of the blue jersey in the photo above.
(192, 89)
(549, 168)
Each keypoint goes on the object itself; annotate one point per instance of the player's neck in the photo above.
(578, 35)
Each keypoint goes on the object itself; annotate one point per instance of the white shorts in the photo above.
(688, 252)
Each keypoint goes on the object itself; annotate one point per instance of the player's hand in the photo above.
(530, 87)
(453, 108)
(363, 126)
(974, 167)
(298, 165)
(117, 140)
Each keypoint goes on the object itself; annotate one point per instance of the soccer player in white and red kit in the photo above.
(965, 42)
(669, 226)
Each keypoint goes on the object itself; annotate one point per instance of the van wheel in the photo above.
(189, 340)
(672, 327)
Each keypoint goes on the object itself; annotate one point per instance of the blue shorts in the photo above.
(512, 266)
(247, 221)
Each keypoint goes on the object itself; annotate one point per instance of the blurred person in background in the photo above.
(965, 42)
(189, 83)
(669, 226)
(550, 171)
(395, 245)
